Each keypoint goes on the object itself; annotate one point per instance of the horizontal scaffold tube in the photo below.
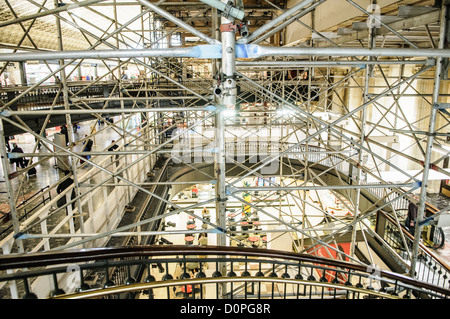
(311, 64)
(199, 51)
(243, 51)
(8, 113)
(134, 98)
(327, 187)
(63, 7)
(251, 51)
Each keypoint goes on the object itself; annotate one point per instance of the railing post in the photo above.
(12, 284)
(69, 211)
(44, 230)
(90, 203)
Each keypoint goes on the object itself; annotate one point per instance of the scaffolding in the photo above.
(359, 110)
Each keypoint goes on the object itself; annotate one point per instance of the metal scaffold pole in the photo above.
(316, 125)
(9, 188)
(69, 123)
(228, 102)
(227, 86)
(368, 75)
(430, 142)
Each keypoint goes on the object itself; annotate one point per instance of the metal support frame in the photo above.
(63, 80)
(315, 120)
(430, 141)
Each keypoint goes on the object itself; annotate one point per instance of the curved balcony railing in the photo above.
(218, 273)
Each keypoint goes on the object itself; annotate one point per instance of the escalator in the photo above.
(142, 207)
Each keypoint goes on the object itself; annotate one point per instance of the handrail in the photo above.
(23, 204)
(51, 258)
(55, 258)
(430, 266)
(142, 253)
(217, 280)
(422, 246)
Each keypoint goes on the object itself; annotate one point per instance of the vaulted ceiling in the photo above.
(335, 20)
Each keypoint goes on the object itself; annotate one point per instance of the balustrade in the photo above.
(173, 272)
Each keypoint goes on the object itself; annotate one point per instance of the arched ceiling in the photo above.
(83, 26)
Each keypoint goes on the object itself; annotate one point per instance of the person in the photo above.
(87, 148)
(65, 132)
(62, 187)
(64, 184)
(39, 143)
(113, 147)
(194, 191)
(410, 221)
(8, 147)
(20, 161)
(203, 239)
(9, 81)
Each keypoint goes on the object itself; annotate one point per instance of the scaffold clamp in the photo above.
(442, 106)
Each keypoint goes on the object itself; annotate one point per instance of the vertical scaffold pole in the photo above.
(9, 187)
(371, 44)
(227, 80)
(430, 141)
(69, 121)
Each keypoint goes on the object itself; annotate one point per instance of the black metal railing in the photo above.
(430, 268)
(26, 208)
(213, 272)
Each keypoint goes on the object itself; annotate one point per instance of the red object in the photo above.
(191, 226)
(253, 238)
(189, 289)
(332, 254)
(189, 238)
